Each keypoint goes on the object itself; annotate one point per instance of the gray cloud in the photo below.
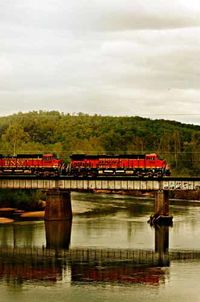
(107, 57)
(100, 14)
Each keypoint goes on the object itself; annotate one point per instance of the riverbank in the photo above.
(10, 215)
(184, 195)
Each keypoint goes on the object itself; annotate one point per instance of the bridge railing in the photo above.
(113, 184)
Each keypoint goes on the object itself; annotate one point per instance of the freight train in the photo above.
(81, 165)
(35, 164)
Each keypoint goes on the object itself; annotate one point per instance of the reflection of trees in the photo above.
(21, 234)
(141, 208)
(6, 235)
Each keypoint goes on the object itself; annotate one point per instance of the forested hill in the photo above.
(38, 132)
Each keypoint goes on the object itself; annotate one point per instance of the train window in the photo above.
(48, 156)
(151, 156)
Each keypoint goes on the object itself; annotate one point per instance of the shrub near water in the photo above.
(21, 199)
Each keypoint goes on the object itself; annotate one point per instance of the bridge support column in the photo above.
(162, 203)
(162, 244)
(161, 210)
(58, 205)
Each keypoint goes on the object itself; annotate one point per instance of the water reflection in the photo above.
(17, 270)
(162, 243)
(55, 262)
(119, 273)
(43, 251)
(109, 253)
(23, 234)
(58, 234)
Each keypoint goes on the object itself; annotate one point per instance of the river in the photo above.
(110, 223)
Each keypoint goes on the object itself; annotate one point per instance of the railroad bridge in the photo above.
(58, 205)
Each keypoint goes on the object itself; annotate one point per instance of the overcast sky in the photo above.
(110, 57)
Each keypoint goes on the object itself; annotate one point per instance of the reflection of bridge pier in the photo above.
(162, 244)
(58, 234)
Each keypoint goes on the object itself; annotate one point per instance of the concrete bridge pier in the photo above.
(162, 202)
(161, 209)
(58, 205)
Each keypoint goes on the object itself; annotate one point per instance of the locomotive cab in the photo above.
(156, 165)
(152, 156)
(52, 164)
(49, 156)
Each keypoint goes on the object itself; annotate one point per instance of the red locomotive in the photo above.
(122, 165)
(85, 165)
(36, 164)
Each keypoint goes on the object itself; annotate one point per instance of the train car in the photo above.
(140, 165)
(35, 164)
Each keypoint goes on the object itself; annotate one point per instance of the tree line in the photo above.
(64, 134)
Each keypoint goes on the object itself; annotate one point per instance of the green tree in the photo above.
(14, 137)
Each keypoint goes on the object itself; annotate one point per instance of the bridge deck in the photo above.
(109, 183)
